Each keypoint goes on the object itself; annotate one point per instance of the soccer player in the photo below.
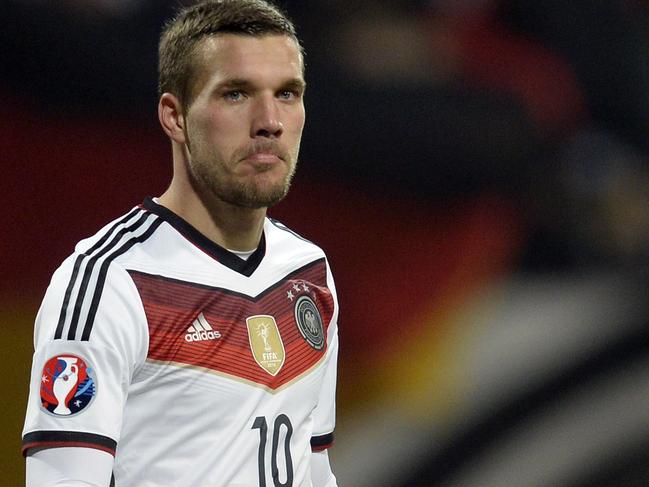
(193, 341)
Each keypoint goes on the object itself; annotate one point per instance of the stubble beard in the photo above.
(242, 194)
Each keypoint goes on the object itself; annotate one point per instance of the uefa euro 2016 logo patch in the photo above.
(68, 385)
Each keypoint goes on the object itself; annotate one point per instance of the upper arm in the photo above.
(89, 338)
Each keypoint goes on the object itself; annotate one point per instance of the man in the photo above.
(193, 342)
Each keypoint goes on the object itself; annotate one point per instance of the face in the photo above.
(244, 124)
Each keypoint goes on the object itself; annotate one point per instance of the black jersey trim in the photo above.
(53, 439)
(322, 442)
(230, 292)
(77, 265)
(94, 305)
(224, 256)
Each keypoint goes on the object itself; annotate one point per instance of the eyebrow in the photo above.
(296, 84)
(239, 83)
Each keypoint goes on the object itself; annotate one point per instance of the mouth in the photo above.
(264, 158)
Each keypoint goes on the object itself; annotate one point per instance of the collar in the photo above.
(214, 250)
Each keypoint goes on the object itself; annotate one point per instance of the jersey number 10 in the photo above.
(261, 424)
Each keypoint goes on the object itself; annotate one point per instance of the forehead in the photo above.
(228, 56)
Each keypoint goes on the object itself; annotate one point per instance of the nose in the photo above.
(266, 120)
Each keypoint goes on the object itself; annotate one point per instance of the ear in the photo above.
(171, 117)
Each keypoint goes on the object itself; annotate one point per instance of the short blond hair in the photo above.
(182, 34)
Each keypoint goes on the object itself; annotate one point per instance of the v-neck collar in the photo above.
(221, 254)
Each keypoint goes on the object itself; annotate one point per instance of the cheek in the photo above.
(300, 117)
(297, 123)
(218, 134)
(233, 125)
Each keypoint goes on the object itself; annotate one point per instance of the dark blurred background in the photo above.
(477, 171)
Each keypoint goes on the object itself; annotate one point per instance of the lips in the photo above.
(264, 158)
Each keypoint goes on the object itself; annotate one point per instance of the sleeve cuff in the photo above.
(56, 439)
(322, 442)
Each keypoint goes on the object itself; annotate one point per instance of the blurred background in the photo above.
(478, 173)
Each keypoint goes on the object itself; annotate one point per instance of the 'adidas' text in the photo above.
(201, 330)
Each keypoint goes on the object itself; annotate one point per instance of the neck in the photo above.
(229, 226)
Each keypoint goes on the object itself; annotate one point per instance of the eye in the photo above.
(233, 95)
(287, 95)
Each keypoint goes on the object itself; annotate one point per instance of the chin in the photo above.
(255, 197)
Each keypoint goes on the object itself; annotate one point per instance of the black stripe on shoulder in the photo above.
(53, 439)
(92, 261)
(281, 226)
(103, 271)
(77, 264)
(322, 442)
(66, 301)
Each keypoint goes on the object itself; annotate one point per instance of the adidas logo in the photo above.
(200, 330)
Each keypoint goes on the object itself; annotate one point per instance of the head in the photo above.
(231, 81)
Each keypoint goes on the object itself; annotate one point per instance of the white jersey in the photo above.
(192, 366)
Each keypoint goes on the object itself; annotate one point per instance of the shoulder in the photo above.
(287, 245)
(97, 252)
(93, 282)
(120, 235)
(278, 232)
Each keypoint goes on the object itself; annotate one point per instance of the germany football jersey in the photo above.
(190, 365)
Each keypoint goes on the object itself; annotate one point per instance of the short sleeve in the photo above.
(90, 336)
(324, 414)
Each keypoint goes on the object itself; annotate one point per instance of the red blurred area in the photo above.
(392, 257)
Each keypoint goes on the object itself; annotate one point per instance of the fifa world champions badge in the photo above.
(68, 385)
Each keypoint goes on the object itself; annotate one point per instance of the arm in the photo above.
(69, 467)
(70, 433)
(321, 474)
(325, 412)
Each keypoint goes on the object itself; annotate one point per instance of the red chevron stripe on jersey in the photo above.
(172, 306)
